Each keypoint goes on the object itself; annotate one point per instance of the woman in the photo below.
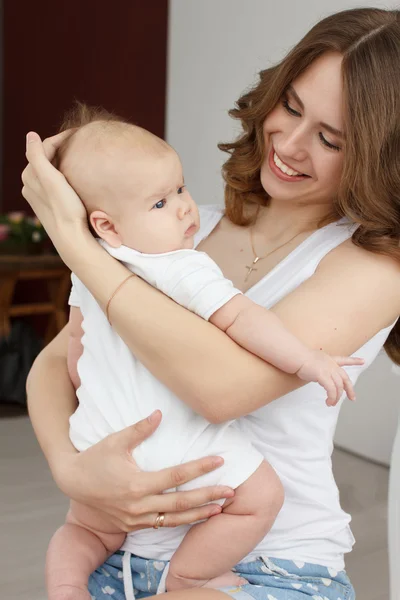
(311, 228)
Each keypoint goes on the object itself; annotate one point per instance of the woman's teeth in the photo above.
(284, 168)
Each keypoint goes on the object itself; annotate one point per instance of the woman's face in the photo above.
(303, 139)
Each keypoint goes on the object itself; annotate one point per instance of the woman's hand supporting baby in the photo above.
(131, 498)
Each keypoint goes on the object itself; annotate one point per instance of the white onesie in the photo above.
(117, 390)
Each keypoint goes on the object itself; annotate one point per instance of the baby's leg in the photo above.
(212, 548)
(76, 550)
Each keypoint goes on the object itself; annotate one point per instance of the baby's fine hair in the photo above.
(80, 115)
(106, 125)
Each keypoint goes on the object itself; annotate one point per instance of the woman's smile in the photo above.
(282, 170)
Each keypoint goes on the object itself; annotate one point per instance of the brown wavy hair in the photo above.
(369, 189)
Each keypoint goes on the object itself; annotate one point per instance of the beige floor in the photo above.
(31, 508)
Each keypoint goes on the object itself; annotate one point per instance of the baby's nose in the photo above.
(183, 210)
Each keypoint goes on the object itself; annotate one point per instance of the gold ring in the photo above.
(159, 521)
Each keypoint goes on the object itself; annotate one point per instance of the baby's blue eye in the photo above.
(181, 189)
(160, 204)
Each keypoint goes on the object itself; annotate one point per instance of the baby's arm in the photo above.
(75, 347)
(262, 333)
(194, 280)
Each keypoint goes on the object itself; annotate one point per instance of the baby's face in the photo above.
(152, 210)
(132, 186)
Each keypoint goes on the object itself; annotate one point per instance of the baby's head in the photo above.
(130, 181)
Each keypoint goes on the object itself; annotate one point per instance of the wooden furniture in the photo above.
(48, 268)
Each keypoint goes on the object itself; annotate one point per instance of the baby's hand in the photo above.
(326, 371)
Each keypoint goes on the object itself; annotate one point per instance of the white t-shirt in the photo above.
(295, 432)
(189, 277)
(117, 390)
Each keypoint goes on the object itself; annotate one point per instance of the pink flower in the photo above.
(4, 230)
(16, 217)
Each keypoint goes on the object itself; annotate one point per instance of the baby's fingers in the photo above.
(347, 361)
(348, 387)
(330, 388)
(337, 377)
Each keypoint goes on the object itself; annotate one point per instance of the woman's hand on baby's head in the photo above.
(53, 200)
(106, 477)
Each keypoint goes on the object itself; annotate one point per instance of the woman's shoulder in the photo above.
(350, 255)
(352, 261)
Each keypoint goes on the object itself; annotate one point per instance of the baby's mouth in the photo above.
(191, 229)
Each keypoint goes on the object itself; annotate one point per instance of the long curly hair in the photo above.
(369, 189)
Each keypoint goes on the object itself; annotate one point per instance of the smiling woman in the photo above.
(295, 136)
(323, 213)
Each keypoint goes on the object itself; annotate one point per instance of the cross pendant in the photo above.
(249, 272)
(251, 269)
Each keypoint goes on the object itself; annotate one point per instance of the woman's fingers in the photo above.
(180, 518)
(172, 477)
(36, 155)
(129, 438)
(191, 516)
(52, 144)
(39, 154)
(183, 501)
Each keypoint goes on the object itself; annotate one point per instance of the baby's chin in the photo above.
(188, 243)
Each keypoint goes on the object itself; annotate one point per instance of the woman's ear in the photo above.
(105, 228)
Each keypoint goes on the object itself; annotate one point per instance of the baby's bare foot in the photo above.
(69, 592)
(174, 583)
(227, 579)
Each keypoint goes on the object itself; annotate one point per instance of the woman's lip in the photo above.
(276, 171)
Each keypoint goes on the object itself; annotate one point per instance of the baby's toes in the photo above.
(227, 579)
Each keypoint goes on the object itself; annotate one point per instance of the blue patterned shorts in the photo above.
(269, 579)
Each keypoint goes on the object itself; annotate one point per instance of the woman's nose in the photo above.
(293, 145)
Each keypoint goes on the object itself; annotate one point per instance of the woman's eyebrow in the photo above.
(329, 128)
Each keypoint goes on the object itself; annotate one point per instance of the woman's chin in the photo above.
(280, 191)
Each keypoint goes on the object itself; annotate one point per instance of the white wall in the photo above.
(216, 48)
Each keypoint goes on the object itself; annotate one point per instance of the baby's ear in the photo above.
(104, 228)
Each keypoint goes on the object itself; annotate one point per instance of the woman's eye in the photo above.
(328, 144)
(160, 204)
(181, 189)
(290, 110)
(294, 113)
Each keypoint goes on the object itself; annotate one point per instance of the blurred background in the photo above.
(174, 67)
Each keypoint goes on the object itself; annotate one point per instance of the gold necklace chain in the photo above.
(257, 258)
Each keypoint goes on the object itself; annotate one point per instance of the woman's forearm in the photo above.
(51, 401)
(194, 359)
(198, 362)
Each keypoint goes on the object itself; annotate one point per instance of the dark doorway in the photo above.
(102, 53)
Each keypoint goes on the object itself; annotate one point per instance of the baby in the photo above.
(132, 185)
